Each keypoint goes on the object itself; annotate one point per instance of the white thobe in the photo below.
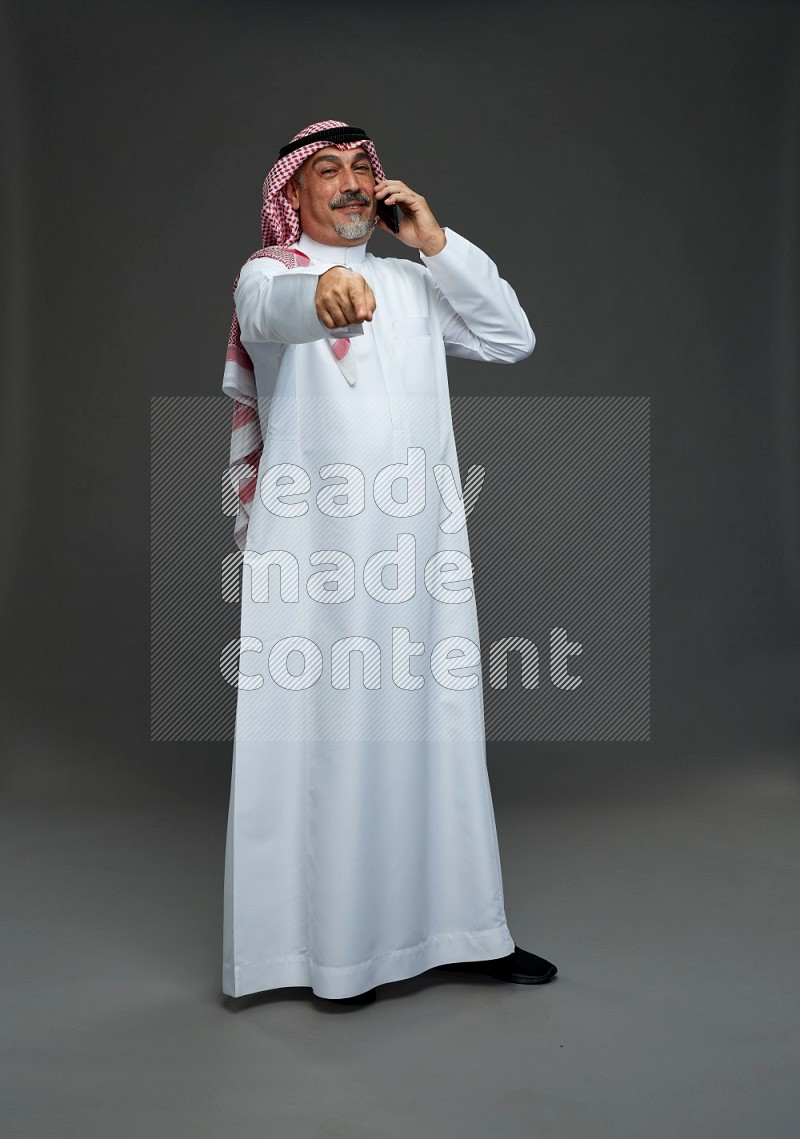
(361, 844)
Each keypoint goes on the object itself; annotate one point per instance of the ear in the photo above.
(292, 193)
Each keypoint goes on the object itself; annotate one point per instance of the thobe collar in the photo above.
(331, 254)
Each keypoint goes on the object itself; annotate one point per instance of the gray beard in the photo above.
(352, 230)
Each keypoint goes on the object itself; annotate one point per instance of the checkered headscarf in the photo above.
(280, 228)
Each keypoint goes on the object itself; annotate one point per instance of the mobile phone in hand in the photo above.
(390, 214)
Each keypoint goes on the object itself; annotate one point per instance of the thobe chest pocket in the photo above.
(412, 338)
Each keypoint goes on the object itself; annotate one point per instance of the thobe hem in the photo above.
(349, 980)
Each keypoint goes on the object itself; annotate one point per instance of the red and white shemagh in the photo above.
(280, 228)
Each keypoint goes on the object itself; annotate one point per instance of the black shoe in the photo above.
(359, 999)
(520, 967)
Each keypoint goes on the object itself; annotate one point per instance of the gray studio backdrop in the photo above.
(633, 171)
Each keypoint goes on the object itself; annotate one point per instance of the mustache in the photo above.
(357, 196)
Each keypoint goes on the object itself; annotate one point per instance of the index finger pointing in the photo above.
(360, 295)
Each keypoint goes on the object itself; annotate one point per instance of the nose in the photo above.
(349, 182)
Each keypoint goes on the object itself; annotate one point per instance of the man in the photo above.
(361, 844)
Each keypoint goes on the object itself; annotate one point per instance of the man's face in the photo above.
(336, 199)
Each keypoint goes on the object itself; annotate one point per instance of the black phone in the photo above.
(390, 214)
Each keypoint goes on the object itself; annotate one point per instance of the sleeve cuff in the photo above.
(453, 264)
(454, 245)
(341, 333)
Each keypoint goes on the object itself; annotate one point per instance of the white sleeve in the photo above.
(480, 315)
(278, 304)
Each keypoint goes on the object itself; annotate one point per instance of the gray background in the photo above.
(633, 171)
